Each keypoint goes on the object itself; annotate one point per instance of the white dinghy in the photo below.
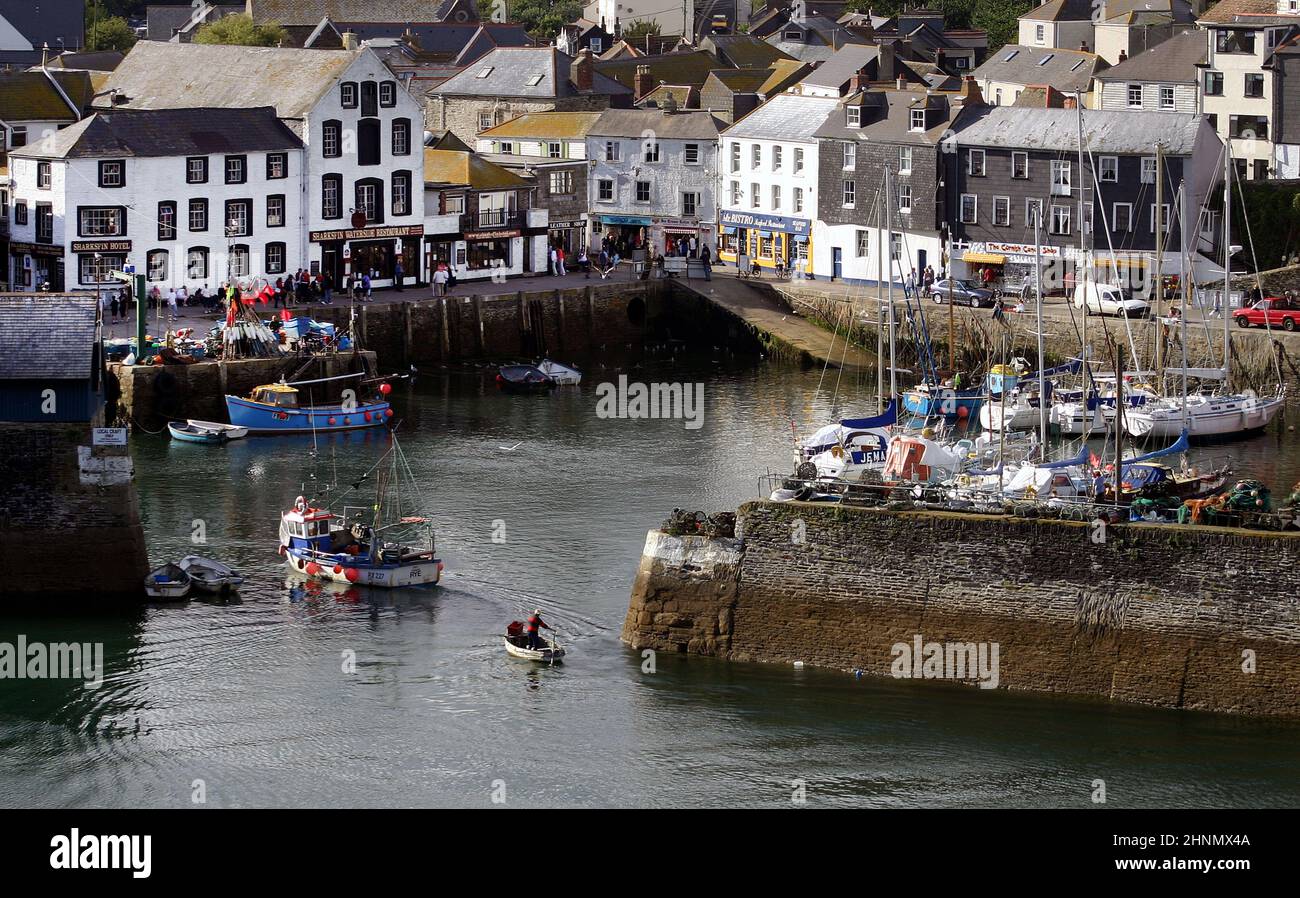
(210, 576)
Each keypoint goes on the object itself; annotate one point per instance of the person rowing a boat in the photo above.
(534, 623)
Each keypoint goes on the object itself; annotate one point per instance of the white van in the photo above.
(1104, 299)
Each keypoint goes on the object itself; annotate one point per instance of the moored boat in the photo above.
(210, 576)
(275, 408)
(564, 375)
(170, 581)
(524, 379)
(208, 432)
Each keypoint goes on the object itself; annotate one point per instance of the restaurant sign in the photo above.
(493, 235)
(757, 220)
(376, 233)
(101, 246)
(34, 249)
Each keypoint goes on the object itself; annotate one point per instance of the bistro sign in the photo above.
(101, 246)
(751, 220)
(366, 233)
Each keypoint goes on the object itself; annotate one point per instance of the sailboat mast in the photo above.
(1227, 258)
(1183, 284)
(880, 311)
(1160, 246)
(1038, 308)
(889, 286)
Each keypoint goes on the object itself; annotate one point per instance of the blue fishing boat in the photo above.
(376, 545)
(931, 400)
(275, 408)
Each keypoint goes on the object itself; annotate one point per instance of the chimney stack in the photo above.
(1122, 56)
(900, 83)
(584, 70)
(350, 40)
(1083, 45)
(642, 84)
(970, 94)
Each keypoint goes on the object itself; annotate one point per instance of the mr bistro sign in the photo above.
(758, 221)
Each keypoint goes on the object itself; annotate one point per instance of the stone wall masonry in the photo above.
(1156, 614)
(67, 530)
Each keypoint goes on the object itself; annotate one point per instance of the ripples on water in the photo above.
(251, 697)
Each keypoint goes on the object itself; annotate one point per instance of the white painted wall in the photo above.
(669, 179)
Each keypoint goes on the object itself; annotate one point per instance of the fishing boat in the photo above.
(384, 544)
(516, 643)
(564, 375)
(524, 379)
(933, 400)
(209, 432)
(167, 582)
(210, 576)
(276, 408)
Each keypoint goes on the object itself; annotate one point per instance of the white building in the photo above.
(769, 188)
(1239, 92)
(653, 176)
(363, 166)
(187, 196)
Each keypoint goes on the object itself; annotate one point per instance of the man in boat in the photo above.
(535, 623)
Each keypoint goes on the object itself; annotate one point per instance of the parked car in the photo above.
(963, 292)
(1103, 299)
(1271, 310)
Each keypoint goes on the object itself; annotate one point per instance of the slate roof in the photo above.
(44, 336)
(670, 68)
(686, 96)
(468, 169)
(895, 125)
(1061, 11)
(741, 81)
(164, 75)
(1246, 12)
(681, 125)
(745, 50)
(545, 125)
(1148, 12)
(46, 22)
(96, 61)
(31, 96)
(843, 65)
(166, 132)
(1066, 70)
(785, 117)
(1172, 60)
(509, 69)
(785, 73)
(298, 12)
(1104, 130)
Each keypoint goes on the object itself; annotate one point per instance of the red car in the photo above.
(1274, 310)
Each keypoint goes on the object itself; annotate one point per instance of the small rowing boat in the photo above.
(516, 642)
(208, 432)
(210, 576)
(564, 375)
(524, 379)
(167, 582)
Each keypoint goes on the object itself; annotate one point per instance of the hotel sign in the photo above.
(376, 233)
(757, 220)
(101, 246)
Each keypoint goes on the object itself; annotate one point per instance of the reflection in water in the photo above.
(313, 694)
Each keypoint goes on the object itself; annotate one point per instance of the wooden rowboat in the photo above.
(207, 432)
(517, 645)
(210, 576)
(167, 582)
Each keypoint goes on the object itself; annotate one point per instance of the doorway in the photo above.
(837, 263)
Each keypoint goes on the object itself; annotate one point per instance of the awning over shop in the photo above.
(728, 230)
(983, 258)
(625, 220)
(765, 234)
(800, 238)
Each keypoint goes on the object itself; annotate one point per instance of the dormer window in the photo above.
(794, 35)
(855, 117)
(916, 120)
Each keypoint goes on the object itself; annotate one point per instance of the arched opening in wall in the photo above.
(636, 311)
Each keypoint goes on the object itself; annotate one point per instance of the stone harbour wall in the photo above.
(1156, 614)
(70, 523)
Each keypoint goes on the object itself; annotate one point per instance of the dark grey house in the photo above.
(1010, 164)
(871, 131)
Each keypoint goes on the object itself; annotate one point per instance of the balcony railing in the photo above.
(491, 218)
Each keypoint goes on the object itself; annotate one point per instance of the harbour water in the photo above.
(540, 503)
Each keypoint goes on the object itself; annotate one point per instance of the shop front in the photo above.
(626, 234)
(766, 240)
(1011, 265)
(478, 255)
(34, 264)
(672, 231)
(377, 251)
(569, 235)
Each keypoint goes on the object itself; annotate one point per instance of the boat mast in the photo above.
(1160, 246)
(1183, 283)
(1227, 258)
(889, 287)
(1038, 303)
(880, 310)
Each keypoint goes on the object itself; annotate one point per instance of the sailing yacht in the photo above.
(1215, 413)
